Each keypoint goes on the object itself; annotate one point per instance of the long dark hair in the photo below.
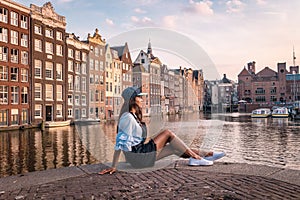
(128, 106)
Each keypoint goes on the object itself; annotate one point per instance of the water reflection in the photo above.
(32, 150)
(273, 142)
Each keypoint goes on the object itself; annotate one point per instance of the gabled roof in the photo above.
(244, 72)
(266, 72)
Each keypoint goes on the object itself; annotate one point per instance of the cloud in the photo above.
(202, 7)
(140, 11)
(64, 1)
(135, 19)
(261, 2)
(234, 6)
(170, 21)
(109, 22)
(145, 21)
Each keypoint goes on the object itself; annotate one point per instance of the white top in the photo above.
(129, 132)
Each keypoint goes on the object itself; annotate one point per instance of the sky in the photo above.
(231, 32)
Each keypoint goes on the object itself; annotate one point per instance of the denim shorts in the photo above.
(142, 155)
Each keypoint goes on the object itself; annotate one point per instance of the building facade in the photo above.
(78, 96)
(48, 77)
(14, 64)
(268, 87)
(97, 76)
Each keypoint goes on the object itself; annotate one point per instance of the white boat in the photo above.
(261, 113)
(51, 124)
(281, 112)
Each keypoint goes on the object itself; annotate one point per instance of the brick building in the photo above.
(14, 64)
(268, 86)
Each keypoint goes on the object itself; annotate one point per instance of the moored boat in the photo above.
(261, 113)
(280, 112)
(51, 124)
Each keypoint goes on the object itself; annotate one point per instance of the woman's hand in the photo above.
(109, 170)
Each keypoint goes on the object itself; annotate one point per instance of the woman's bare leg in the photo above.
(177, 144)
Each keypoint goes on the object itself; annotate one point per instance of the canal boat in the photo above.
(52, 124)
(280, 112)
(261, 113)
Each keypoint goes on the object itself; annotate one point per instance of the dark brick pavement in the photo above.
(179, 182)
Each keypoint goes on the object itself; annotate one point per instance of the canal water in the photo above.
(272, 142)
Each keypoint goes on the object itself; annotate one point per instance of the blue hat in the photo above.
(131, 93)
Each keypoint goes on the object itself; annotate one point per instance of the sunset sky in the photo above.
(231, 32)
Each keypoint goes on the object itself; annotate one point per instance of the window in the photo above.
(14, 55)
(3, 53)
(70, 65)
(3, 35)
(24, 57)
(37, 91)
(91, 64)
(3, 73)
(101, 65)
(38, 45)
(83, 84)
(77, 100)
(24, 75)
(24, 40)
(49, 70)
(3, 116)
(14, 90)
(14, 117)
(49, 92)
(77, 83)
(49, 33)
(38, 111)
(71, 53)
(24, 95)
(3, 94)
(59, 50)
(70, 82)
(83, 68)
(70, 112)
(97, 53)
(84, 57)
(59, 110)
(77, 67)
(97, 65)
(58, 71)
(83, 100)
(77, 55)
(24, 116)
(14, 18)
(38, 29)
(59, 35)
(24, 22)
(49, 47)
(37, 68)
(83, 112)
(70, 99)
(14, 74)
(59, 94)
(3, 15)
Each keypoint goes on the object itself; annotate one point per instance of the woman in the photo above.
(142, 152)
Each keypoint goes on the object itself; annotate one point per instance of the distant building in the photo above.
(78, 96)
(97, 75)
(268, 87)
(220, 96)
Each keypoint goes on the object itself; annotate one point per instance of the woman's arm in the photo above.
(113, 168)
